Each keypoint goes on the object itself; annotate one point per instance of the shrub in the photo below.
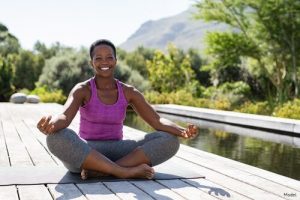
(47, 95)
(260, 108)
(290, 109)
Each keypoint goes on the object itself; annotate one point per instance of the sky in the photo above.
(80, 22)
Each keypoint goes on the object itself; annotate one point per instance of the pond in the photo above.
(273, 152)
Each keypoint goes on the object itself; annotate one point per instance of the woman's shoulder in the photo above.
(128, 88)
(130, 91)
(82, 88)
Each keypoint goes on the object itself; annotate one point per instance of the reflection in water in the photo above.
(272, 152)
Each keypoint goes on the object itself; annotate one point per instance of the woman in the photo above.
(102, 102)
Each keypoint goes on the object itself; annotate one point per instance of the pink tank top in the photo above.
(99, 121)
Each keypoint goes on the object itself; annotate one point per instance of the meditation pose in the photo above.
(99, 147)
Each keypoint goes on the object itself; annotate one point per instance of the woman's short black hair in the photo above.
(100, 42)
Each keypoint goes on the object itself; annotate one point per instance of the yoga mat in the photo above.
(55, 174)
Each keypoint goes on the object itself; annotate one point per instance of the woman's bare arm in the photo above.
(145, 110)
(49, 124)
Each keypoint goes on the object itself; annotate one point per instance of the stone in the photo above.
(18, 98)
(33, 99)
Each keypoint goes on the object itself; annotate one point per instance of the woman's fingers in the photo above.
(44, 124)
(190, 131)
(42, 121)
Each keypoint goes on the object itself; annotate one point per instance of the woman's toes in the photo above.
(84, 174)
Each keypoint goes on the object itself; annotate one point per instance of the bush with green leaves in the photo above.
(28, 67)
(6, 77)
(127, 75)
(259, 108)
(290, 109)
(170, 72)
(66, 69)
(49, 95)
(236, 93)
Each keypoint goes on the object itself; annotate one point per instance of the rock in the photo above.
(18, 98)
(33, 99)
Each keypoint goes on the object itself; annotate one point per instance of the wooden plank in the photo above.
(4, 158)
(34, 192)
(156, 190)
(65, 192)
(186, 190)
(214, 189)
(230, 182)
(41, 138)
(17, 152)
(283, 180)
(37, 152)
(242, 176)
(8, 193)
(96, 191)
(126, 190)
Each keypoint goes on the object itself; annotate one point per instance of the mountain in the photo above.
(182, 30)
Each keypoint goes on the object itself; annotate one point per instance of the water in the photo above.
(273, 152)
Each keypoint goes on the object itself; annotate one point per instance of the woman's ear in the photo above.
(91, 63)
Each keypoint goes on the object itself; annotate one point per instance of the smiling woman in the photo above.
(102, 102)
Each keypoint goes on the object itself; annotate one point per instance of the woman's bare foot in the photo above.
(141, 171)
(85, 174)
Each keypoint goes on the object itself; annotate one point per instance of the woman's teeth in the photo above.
(104, 68)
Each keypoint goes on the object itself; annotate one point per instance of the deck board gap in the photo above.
(6, 147)
(40, 142)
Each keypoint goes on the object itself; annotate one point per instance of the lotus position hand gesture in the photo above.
(189, 132)
(45, 125)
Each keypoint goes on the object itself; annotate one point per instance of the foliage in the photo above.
(66, 69)
(290, 109)
(263, 40)
(48, 95)
(169, 72)
(183, 97)
(235, 93)
(9, 44)
(260, 108)
(6, 77)
(28, 68)
(202, 76)
(46, 52)
(136, 60)
(132, 77)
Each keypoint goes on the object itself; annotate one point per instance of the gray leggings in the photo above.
(72, 150)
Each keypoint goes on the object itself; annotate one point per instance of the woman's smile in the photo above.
(104, 68)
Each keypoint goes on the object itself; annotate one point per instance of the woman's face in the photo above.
(103, 60)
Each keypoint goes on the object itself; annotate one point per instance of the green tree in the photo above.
(9, 44)
(28, 68)
(264, 40)
(66, 69)
(127, 75)
(46, 52)
(170, 72)
(137, 60)
(6, 77)
(203, 77)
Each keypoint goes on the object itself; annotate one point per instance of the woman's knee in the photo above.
(56, 141)
(162, 147)
(170, 141)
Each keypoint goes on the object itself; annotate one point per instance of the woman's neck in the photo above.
(105, 83)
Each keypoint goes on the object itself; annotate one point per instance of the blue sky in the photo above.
(79, 23)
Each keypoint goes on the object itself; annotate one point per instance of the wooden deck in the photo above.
(21, 144)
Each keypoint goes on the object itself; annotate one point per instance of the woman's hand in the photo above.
(45, 125)
(189, 132)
